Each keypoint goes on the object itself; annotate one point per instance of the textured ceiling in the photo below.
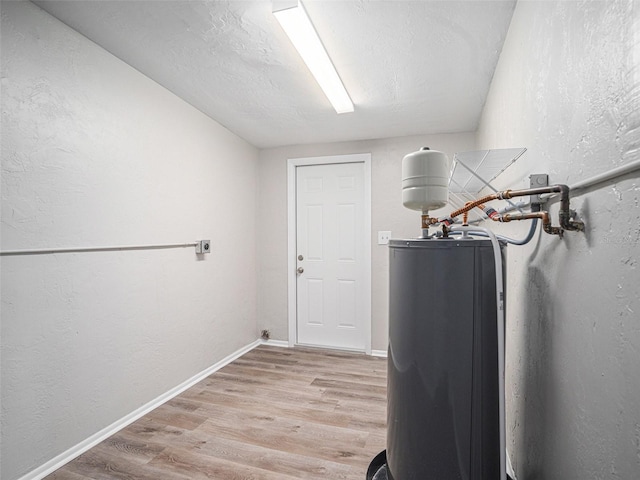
(411, 67)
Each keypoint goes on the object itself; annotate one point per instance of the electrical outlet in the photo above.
(384, 237)
(203, 246)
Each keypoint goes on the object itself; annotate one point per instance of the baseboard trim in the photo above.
(285, 344)
(275, 343)
(75, 451)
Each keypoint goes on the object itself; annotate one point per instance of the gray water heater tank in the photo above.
(443, 391)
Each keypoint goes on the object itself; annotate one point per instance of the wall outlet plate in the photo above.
(384, 237)
(203, 246)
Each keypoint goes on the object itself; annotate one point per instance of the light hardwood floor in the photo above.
(274, 413)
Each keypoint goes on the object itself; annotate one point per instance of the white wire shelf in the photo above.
(474, 171)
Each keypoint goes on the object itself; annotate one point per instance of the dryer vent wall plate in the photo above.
(203, 246)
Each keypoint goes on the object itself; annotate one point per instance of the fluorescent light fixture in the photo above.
(295, 22)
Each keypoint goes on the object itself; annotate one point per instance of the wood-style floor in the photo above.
(274, 413)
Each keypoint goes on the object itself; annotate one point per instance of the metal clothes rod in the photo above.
(606, 176)
(43, 251)
(599, 178)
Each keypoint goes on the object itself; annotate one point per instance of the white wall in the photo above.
(94, 153)
(568, 87)
(387, 213)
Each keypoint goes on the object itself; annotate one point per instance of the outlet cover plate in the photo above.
(383, 237)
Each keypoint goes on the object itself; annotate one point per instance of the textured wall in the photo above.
(94, 153)
(387, 213)
(568, 87)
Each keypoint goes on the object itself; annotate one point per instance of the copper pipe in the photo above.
(504, 195)
(471, 205)
(465, 216)
(544, 216)
(565, 215)
(534, 191)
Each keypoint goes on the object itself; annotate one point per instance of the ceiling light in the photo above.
(295, 22)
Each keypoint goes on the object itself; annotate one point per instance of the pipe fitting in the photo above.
(566, 215)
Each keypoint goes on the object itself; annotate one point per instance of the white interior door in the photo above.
(330, 236)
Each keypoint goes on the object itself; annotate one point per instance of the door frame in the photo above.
(292, 164)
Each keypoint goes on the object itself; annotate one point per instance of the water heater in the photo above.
(443, 392)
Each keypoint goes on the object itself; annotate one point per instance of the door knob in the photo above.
(300, 270)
